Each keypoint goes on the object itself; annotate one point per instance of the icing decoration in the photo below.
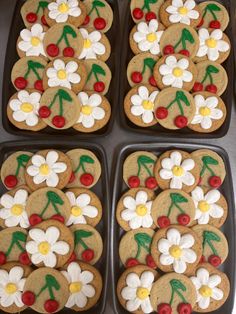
(137, 292)
(176, 287)
(176, 250)
(175, 72)
(92, 45)
(212, 8)
(138, 13)
(143, 104)
(25, 107)
(53, 199)
(208, 237)
(182, 12)
(62, 10)
(176, 199)
(143, 240)
(13, 209)
(148, 37)
(32, 43)
(206, 205)
(142, 161)
(32, 17)
(180, 97)
(99, 23)
(91, 109)
(86, 178)
(44, 245)
(88, 254)
(63, 74)
(67, 30)
(17, 237)
(50, 284)
(79, 285)
(208, 75)
(12, 285)
(208, 160)
(206, 287)
(211, 44)
(95, 71)
(206, 111)
(186, 36)
(177, 170)
(46, 169)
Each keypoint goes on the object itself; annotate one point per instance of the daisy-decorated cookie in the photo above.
(139, 105)
(134, 288)
(95, 112)
(48, 168)
(146, 36)
(49, 244)
(134, 209)
(177, 170)
(22, 110)
(85, 207)
(32, 12)
(175, 71)
(142, 10)
(212, 287)
(210, 113)
(85, 285)
(176, 249)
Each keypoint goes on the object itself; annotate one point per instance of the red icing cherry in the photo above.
(136, 77)
(99, 23)
(58, 121)
(161, 113)
(168, 50)
(211, 88)
(163, 221)
(215, 260)
(39, 85)
(72, 177)
(44, 112)
(87, 20)
(215, 24)
(20, 82)
(151, 183)
(181, 122)
(183, 219)
(24, 258)
(31, 17)
(184, 308)
(150, 16)
(152, 81)
(52, 50)
(131, 262)
(43, 20)
(99, 87)
(72, 257)
(150, 262)
(197, 87)
(138, 13)
(86, 179)
(68, 52)
(201, 23)
(10, 181)
(184, 52)
(59, 218)
(3, 258)
(164, 308)
(215, 181)
(87, 255)
(28, 298)
(134, 182)
(202, 259)
(35, 219)
(51, 306)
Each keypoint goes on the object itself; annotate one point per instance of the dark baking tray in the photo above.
(158, 130)
(11, 57)
(229, 227)
(102, 185)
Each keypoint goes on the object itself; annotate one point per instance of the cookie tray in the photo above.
(11, 57)
(157, 130)
(103, 227)
(229, 227)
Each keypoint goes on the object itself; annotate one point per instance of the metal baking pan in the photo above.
(228, 228)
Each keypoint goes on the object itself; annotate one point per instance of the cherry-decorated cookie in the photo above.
(143, 10)
(33, 11)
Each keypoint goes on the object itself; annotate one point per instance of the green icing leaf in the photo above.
(19, 236)
(212, 69)
(150, 63)
(79, 234)
(178, 198)
(209, 160)
(86, 158)
(69, 30)
(142, 239)
(35, 65)
(97, 3)
(211, 236)
(23, 158)
(52, 282)
(188, 36)
(98, 69)
(64, 95)
(181, 96)
(54, 198)
(177, 285)
(43, 4)
(213, 7)
(145, 159)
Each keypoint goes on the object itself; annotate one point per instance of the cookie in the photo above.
(210, 113)
(179, 294)
(135, 248)
(175, 71)
(47, 203)
(99, 76)
(140, 69)
(138, 170)
(139, 105)
(212, 287)
(48, 168)
(134, 288)
(32, 11)
(176, 249)
(85, 207)
(65, 72)
(86, 168)
(177, 170)
(51, 292)
(142, 10)
(12, 280)
(214, 244)
(63, 40)
(88, 243)
(95, 112)
(85, 286)
(49, 244)
(173, 207)
(13, 169)
(180, 38)
(134, 209)
(22, 110)
(27, 73)
(99, 15)
(211, 77)
(212, 168)
(145, 37)
(174, 108)
(59, 108)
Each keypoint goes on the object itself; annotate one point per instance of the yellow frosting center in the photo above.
(148, 105)
(44, 248)
(76, 211)
(35, 41)
(87, 110)
(175, 251)
(183, 11)
(63, 8)
(141, 210)
(178, 171)
(44, 169)
(87, 43)
(75, 287)
(203, 206)
(205, 111)
(10, 288)
(17, 210)
(211, 43)
(26, 107)
(151, 37)
(142, 293)
(61, 74)
(205, 291)
(177, 72)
